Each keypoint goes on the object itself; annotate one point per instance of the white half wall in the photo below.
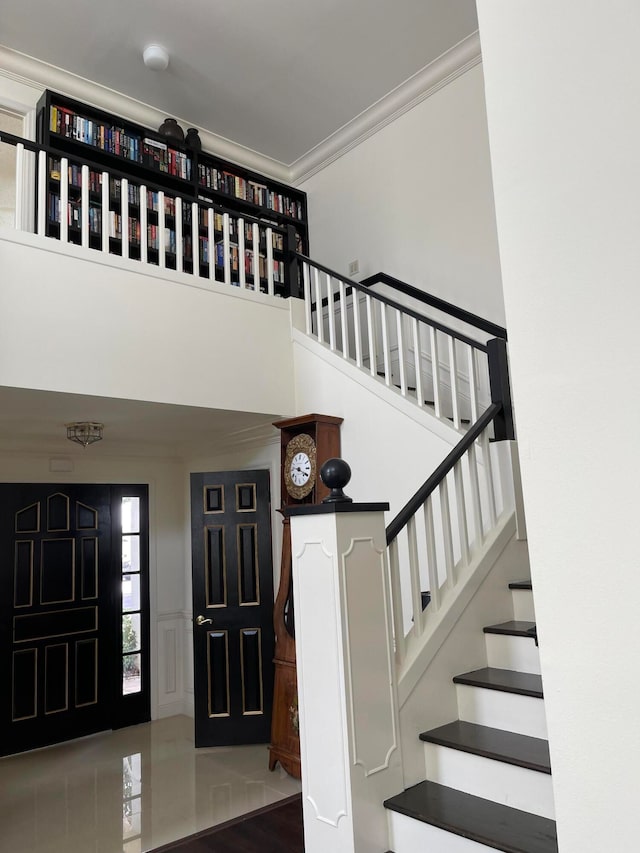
(562, 89)
(415, 200)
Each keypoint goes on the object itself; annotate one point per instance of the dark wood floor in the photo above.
(273, 829)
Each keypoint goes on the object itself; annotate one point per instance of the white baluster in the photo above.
(331, 317)
(179, 243)
(64, 201)
(432, 563)
(417, 360)
(84, 202)
(385, 344)
(343, 319)
(447, 538)
(453, 376)
(435, 372)
(269, 239)
(256, 258)
(124, 217)
(307, 298)
(211, 246)
(19, 212)
(357, 330)
(226, 247)
(396, 600)
(401, 356)
(488, 473)
(242, 258)
(144, 237)
(371, 336)
(104, 212)
(475, 496)
(463, 530)
(473, 382)
(162, 239)
(414, 573)
(195, 238)
(318, 295)
(43, 179)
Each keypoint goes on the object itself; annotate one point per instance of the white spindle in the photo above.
(432, 562)
(211, 246)
(396, 598)
(318, 295)
(124, 217)
(43, 179)
(105, 212)
(473, 382)
(307, 297)
(435, 372)
(269, 241)
(179, 243)
(417, 360)
(463, 530)
(488, 473)
(343, 319)
(19, 213)
(401, 358)
(453, 377)
(385, 344)
(226, 247)
(242, 257)
(357, 329)
(84, 206)
(144, 237)
(414, 573)
(331, 313)
(371, 336)
(447, 538)
(256, 258)
(475, 495)
(64, 201)
(162, 237)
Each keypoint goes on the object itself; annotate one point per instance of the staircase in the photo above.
(488, 775)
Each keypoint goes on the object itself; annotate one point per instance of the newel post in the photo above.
(348, 711)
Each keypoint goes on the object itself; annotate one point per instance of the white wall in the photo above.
(562, 93)
(148, 337)
(415, 200)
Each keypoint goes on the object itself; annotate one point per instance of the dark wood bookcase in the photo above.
(104, 141)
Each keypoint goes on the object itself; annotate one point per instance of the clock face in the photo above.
(300, 466)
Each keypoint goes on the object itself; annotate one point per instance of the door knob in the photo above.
(202, 620)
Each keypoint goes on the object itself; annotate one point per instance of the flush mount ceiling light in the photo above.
(84, 432)
(155, 57)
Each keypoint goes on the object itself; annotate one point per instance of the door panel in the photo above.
(233, 596)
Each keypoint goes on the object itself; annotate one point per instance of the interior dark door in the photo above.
(55, 545)
(232, 607)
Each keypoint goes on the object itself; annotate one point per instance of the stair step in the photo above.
(497, 744)
(513, 628)
(520, 585)
(505, 680)
(496, 826)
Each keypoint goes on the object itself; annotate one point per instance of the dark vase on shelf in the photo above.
(170, 129)
(192, 140)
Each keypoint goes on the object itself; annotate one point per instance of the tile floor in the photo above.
(130, 791)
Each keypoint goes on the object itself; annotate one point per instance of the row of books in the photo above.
(116, 140)
(251, 191)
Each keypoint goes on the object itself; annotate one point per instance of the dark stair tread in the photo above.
(514, 628)
(520, 750)
(520, 585)
(506, 680)
(497, 826)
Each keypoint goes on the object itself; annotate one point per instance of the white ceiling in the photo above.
(276, 76)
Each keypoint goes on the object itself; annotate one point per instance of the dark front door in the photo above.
(63, 650)
(232, 607)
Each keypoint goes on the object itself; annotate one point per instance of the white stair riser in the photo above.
(523, 605)
(500, 710)
(517, 787)
(507, 652)
(407, 835)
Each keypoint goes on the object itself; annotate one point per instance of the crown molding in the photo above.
(424, 83)
(39, 75)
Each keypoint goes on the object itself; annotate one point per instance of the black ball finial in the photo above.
(335, 474)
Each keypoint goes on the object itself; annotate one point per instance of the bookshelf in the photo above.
(106, 142)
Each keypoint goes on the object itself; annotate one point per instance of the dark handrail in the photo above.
(436, 302)
(356, 285)
(414, 504)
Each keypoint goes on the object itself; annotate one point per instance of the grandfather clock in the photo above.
(306, 443)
